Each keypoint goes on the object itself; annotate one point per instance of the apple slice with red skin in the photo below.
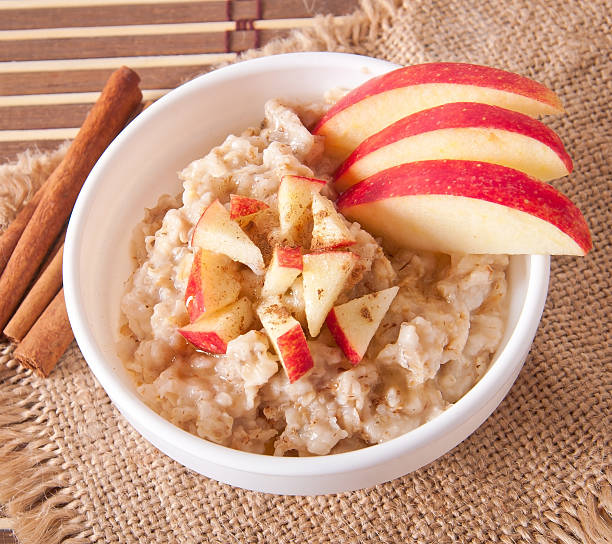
(329, 230)
(385, 99)
(285, 266)
(287, 337)
(213, 283)
(465, 131)
(243, 208)
(212, 331)
(215, 231)
(294, 201)
(354, 323)
(324, 276)
(466, 207)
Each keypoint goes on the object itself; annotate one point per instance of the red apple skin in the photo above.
(446, 72)
(296, 355)
(343, 342)
(210, 342)
(289, 257)
(478, 180)
(459, 115)
(241, 206)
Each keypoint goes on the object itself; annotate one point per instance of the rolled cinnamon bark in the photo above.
(10, 237)
(35, 302)
(119, 98)
(47, 340)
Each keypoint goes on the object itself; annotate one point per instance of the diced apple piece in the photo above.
(324, 276)
(385, 99)
(461, 130)
(215, 231)
(213, 283)
(294, 200)
(329, 229)
(456, 206)
(285, 266)
(354, 323)
(212, 331)
(243, 208)
(287, 337)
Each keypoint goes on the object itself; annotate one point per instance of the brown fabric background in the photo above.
(538, 470)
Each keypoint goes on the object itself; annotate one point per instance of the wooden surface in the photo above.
(6, 535)
(55, 56)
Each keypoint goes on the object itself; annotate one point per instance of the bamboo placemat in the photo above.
(55, 55)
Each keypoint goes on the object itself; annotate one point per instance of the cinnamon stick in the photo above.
(10, 237)
(59, 243)
(47, 340)
(118, 100)
(35, 302)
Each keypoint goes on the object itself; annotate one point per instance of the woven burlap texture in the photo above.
(538, 470)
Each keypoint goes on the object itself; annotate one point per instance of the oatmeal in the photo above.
(440, 317)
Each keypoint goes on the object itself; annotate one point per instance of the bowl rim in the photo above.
(128, 401)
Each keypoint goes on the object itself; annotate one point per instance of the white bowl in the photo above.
(140, 165)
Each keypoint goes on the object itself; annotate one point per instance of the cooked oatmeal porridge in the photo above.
(433, 344)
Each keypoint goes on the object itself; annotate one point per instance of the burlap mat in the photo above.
(72, 470)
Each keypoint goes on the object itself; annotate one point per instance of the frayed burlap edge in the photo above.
(587, 516)
(20, 179)
(354, 34)
(35, 488)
